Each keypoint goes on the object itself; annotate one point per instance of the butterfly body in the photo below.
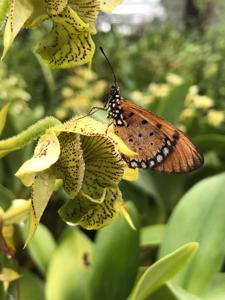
(158, 144)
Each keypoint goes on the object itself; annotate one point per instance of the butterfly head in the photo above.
(113, 106)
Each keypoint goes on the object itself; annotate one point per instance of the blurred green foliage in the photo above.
(178, 75)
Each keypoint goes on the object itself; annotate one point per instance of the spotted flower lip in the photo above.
(85, 155)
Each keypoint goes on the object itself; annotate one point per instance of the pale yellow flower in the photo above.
(174, 79)
(187, 113)
(159, 90)
(192, 92)
(61, 113)
(67, 92)
(86, 74)
(215, 118)
(137, 96)
(202, 102)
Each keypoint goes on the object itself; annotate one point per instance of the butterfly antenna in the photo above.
(109, 65)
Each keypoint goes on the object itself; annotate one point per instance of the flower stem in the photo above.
(33, 132)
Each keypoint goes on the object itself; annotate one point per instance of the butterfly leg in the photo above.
(92, 111)
(109, 124)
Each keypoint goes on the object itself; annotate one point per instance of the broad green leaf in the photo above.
(211, 142)
(3, 115)
(163, 293)
(171, 107)
(215, 289)
(109, 5)
(199, 216)
(152, 235)
(31, 286)
(162, 271)
(19, 12)
(46, 154)
(69, 43)
(115, 260)
(90, 215)
(41, 247)
(68, 271)
(171, 292)
(70, 165)
(86, 9)
(6, 197)
(42, 190)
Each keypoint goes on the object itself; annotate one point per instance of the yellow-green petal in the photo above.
(82, 125)
(87, 9)
(39, 14)
(70, 165)
(19, 12)
(103, 165)
(42, 190)
(121, 146)
(109, 5)
(17, 212)
(55, 7)
(81, 211)
(46, 154)
(130, 174)
(69, 43)
(3, 115)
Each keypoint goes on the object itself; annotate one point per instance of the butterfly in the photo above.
(159, 145)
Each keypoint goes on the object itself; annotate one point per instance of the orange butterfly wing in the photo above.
(159, 144)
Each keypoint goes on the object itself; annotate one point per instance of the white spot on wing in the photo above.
(165, 151)
(159, 158)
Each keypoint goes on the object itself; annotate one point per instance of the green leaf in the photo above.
(215, 289)
(41, 247)
(152, 235)
(69, 268)
(172, 292)
(199, 216)
(6, 197)
(115, 261)
(211, 142)
(171, 107)
(31, 287)
(162, 271)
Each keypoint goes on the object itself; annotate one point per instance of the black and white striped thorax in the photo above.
(113, 106)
